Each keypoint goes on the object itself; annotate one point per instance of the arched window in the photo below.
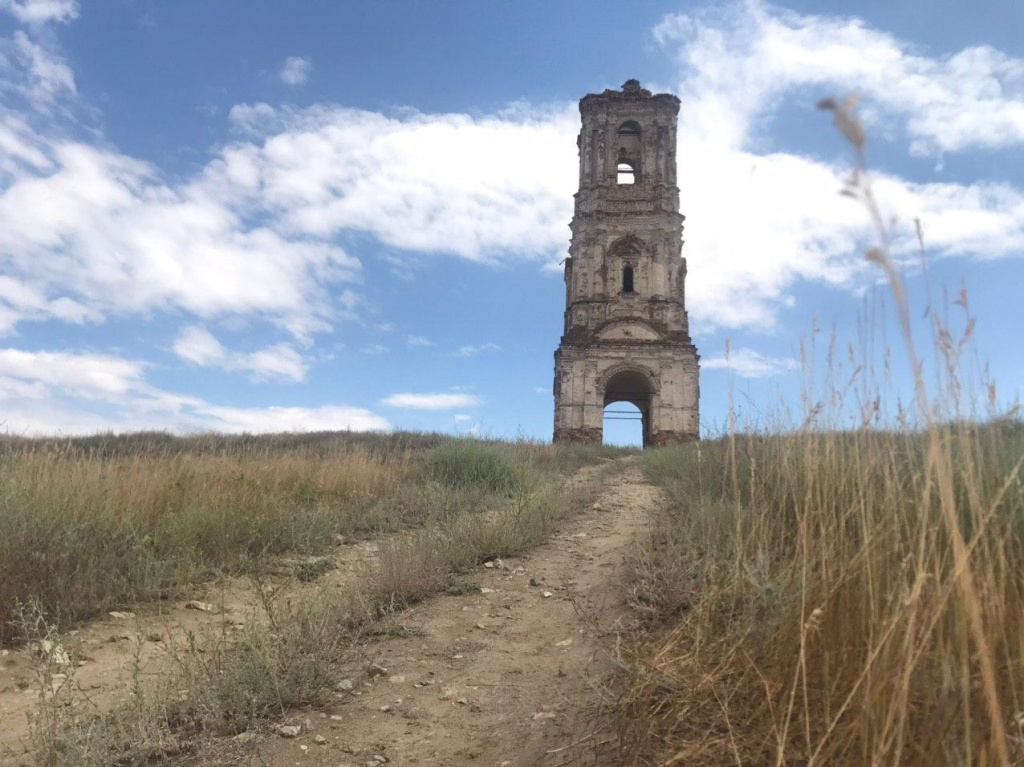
(626, 173)
(627, 279)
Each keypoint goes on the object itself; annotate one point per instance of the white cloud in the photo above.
(278, 362)
(750, 364)
(196, 344)
(418, 341)
(86, 376)
(739, 59)
(41, 11)
(470, 351)
(296, 70)
(90, 232)
(47, 76)
(431, 401)
(274, 419)
(463, 424)
(375, 349)
(19, 301)
(759, 222)
(476, 187)
(62, 392)
(102, 230)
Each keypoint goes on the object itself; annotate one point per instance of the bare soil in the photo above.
(511, 674)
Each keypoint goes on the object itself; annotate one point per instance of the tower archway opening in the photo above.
(624, 389)
(625, 174)
(623, 425)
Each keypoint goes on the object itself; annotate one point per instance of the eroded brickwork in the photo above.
(626, 336)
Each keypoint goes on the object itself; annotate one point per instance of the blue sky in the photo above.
(255, 215)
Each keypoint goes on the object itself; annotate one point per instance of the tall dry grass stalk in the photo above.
(840, 597)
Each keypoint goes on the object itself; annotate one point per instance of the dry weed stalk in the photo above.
(859, 186)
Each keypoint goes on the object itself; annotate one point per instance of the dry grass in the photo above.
(839, 597)
(810, 612)
(471, 502)
(95, 524)
(288, 655)
(82, 533)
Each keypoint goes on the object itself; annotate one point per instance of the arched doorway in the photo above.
(630, 387)
(623, 425)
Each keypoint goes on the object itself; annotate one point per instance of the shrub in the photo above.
(471, 464)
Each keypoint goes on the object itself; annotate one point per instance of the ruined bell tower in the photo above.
(627, 336)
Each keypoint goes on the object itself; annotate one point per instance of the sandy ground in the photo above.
(510, 675)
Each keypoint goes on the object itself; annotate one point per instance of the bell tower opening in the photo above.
(629, 140)
(626, 352)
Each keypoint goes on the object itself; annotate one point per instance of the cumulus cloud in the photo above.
(739, 59)
(45, 392)
(759, 221)
(86, 376)
(101, 229)
(749, 363)
(87, 232)
(41, 11)
(443, 401)
(278, 362)
(19, 301)
(296, 70)
(418, 341)
(476, 187)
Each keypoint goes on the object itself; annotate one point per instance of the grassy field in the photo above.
(811, 599)
(95, 524)
(89, 525)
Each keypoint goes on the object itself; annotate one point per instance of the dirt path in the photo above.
(505, 676)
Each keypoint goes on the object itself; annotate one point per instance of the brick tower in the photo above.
(626, 336)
